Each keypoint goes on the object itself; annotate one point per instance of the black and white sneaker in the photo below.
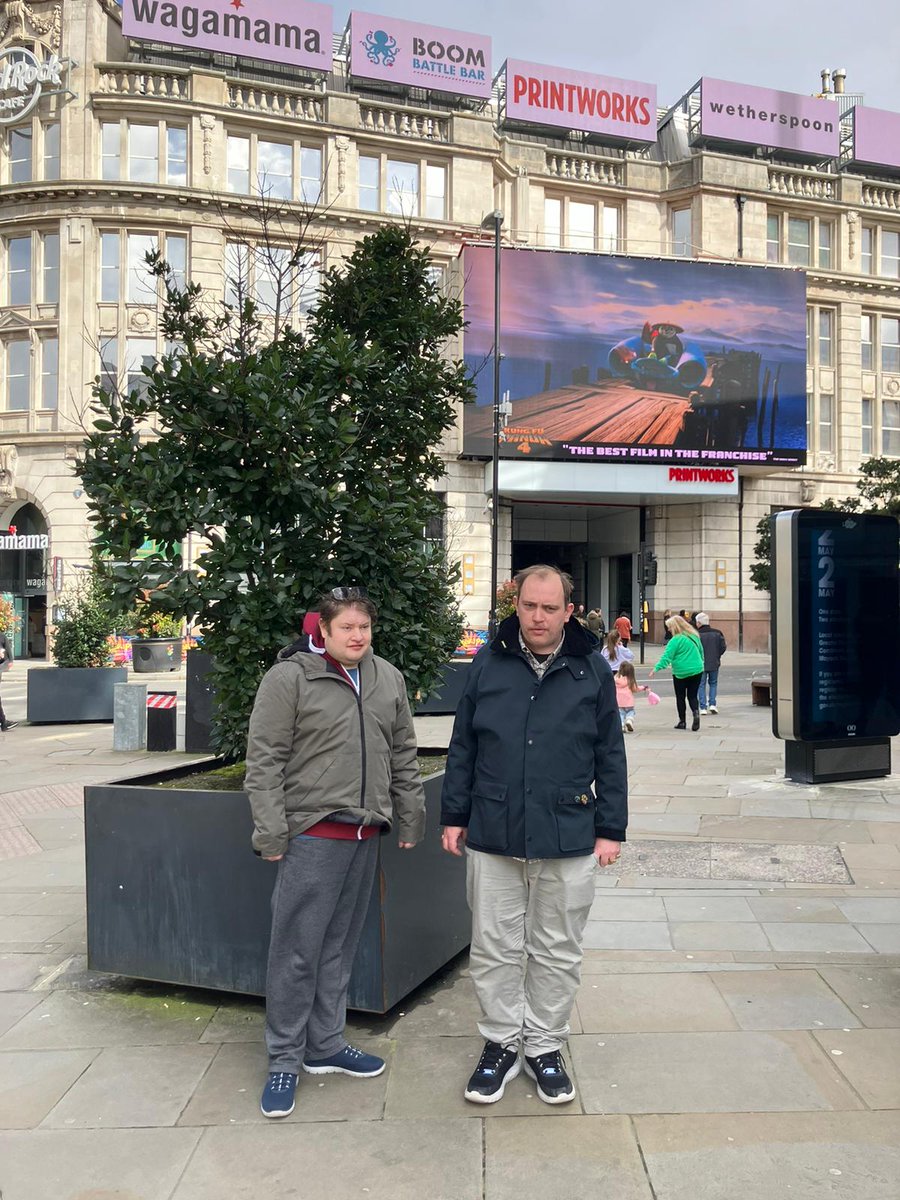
(495, 1069)
(549, 1073)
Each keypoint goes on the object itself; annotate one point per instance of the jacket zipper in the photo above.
(362, 734)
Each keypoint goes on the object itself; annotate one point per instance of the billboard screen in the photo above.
(618, 108)
(609, 358)
(757, 116)
(410, 52)
(298, 32)
(876, 137)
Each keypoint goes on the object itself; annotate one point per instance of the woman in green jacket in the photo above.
(684, 652)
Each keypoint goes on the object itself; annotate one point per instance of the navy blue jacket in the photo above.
(525, 753)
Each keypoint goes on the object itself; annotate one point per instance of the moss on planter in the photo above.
(231, 778)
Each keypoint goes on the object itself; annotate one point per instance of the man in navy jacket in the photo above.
(536, 790)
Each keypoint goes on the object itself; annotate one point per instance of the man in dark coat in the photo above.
(714, 646)
(536, 790)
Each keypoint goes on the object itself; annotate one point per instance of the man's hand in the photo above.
(272, 857)
(406, 845)
(453, 839)
(606, 852)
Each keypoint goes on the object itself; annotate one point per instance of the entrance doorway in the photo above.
(621, 587)
(23, 580)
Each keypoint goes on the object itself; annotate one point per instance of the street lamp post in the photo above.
(494, 220)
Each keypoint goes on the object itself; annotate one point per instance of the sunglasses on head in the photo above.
(349, 593)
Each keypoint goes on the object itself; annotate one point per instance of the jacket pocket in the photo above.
(489, 817)
(575, 819)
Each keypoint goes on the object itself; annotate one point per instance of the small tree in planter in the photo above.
(83, 625)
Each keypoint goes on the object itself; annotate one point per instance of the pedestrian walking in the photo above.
(536, 790)
(667, 633)
(684, 653)
(331, 764)
(614, 652)
(714, 646)
(627, 687)
(596, 623)
(623, 627)
(7, 658)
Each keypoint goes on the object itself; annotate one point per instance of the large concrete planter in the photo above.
(447, 692)
(65, 695)
(175, 894)
(156, 654)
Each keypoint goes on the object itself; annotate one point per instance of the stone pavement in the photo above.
(736, 1034)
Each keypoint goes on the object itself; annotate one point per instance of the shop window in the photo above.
(18, 254)
(49, 373)
(50, 290)
(18, 375)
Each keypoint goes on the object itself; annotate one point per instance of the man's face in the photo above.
(348, 636)
(542, 612)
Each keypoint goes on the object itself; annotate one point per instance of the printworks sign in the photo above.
(24, 78)
(617, 108)
(408, 52)
(289, 31)
(757, 116)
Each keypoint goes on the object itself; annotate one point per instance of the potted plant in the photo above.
(80, 687)
(157, 640)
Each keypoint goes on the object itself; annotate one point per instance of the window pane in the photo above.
(143, 153)
(402, 188)
(798, 241)
(890, 344)
(51, 151)
(552, 222)
(51, 269)
(109, 137)
(609, 241)
(810, 334)
(139, 352)
(237, 274)
(826, 406)
(435, 192)
(109, 364)
(49, 373)
(890, 428)
(141, 284)
(274, 170)
(309, 277)
(866, 249)
(18, 376)
(20, 162)
(826, 230)
(682, 236)
(176, 257)
(369, 183)
(890, 254)
(866, 342)
(238, 158)
(866, 445)
(19, 251)
(826, 336)
(273, 282)
(109, 267)
(310, 175)
(582, 218)
(176, 157)
(773, 238)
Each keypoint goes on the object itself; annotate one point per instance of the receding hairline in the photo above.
(543, 571)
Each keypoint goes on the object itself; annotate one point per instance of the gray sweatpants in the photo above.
(318, 909)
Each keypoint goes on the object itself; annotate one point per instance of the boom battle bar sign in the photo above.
(757, 116)
(281, 30)
(408, 52)
(23, 79)
(618, 108)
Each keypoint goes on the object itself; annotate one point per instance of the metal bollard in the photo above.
(161, 716)
(130, 716)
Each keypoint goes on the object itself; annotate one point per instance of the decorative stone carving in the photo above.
(9, 461)
(139, 320)
(342, 145)
(20, 23)
(852, 219)
(207, 124)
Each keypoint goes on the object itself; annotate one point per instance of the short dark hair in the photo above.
(542, 570)
(328, 607)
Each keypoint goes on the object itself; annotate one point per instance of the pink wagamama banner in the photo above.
(619, 108)
(876, 137)
(419, 55)
(742, 112)
(298, 32)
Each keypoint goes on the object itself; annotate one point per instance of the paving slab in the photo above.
(33, 1081)
(724, 806)
(587, 1156)
(57, 904)
(871, 858)
(798, 935)
(20, 971)
(712, 935)
(395, 1160)
(446, 1009)
(14, 1006)
(870, 1060)
(627, 935)
(883, 938)
(637, 1004)
(30, 929)
(782, 1000)
(689, 908)
(774, 806)
(796, 908)
(871, 993)
(705, 1072)
(56, 831)
(870, 911)
(778, 861)
(667, 822)
(94, 1164)
(229, 1091)
(784, 829)
(756, 1156)
(237, 1020)
(428, 1077)
(618, 907)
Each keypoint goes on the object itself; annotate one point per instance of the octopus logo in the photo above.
(381, 48)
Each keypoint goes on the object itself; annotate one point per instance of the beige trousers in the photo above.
(527, 924)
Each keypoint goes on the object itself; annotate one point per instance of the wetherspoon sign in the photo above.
(617, 108)
(418, 55)
(757, 116)
(289, 31)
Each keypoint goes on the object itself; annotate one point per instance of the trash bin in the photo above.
(161, 716)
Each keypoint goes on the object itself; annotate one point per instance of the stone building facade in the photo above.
(147, 145)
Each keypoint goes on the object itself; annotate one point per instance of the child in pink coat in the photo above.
(626, 689)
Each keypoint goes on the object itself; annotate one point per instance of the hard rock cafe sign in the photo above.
(24, 78)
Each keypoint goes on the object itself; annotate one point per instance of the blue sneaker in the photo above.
(348, 1061)
(278, 1094)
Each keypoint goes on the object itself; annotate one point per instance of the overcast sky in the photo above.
(776, 43)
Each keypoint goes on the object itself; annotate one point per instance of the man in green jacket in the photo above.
(331, 764)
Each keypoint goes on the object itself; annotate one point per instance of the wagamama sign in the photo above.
(23, 78)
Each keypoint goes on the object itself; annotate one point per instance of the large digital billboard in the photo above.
(758, 116)
(607, 358)
(420, 55)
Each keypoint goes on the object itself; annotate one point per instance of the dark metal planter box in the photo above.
(175, 894)
(447, 693)
(156, 654)
(65, 695)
